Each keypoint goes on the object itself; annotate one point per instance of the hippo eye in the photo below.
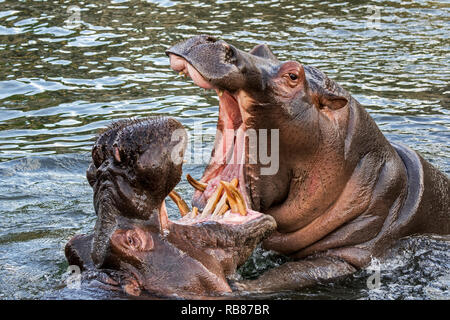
(132, 241)
(293, 76)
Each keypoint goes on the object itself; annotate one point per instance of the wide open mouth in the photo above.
(222, 190)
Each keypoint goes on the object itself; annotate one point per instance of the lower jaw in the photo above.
(227, 217)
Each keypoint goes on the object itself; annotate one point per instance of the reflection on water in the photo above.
(67, 68)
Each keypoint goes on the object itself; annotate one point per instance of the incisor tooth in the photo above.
(194, 212)
(221, 204)
(235, 198)
(196, 184)
(220, 93)
(223, 210)
(182, 206)
(212, 201)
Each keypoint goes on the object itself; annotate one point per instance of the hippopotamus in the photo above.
(342, 193)
(135, 248)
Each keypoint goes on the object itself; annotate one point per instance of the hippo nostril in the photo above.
(229, 54)
(211, 39)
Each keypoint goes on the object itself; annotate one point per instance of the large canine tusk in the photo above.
(196, 184)
(182, 206)
(235, 198)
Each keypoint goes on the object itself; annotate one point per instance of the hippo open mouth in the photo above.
(230, 158)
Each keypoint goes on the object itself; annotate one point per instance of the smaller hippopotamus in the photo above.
(135, 247)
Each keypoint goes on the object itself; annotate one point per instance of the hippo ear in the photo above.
(263, 51)
(331, 101)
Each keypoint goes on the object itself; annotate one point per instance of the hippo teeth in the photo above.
(235, 198)
(225, 205)
(194, 212)
(222, 205)
(226, 196)
(181, 204)
(201, 186)
(212, 201)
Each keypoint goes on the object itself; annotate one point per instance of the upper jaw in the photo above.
(206, 79)
(216, 61)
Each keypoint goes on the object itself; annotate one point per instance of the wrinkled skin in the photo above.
(343, 194)
(134, 246)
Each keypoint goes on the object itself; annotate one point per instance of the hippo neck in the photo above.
(374, 193)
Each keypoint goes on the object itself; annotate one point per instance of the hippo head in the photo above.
(135, 165)
(283, 106)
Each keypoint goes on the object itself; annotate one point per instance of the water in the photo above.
(67, 68)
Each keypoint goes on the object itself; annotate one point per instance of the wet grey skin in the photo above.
(135, 248)
(343, 193)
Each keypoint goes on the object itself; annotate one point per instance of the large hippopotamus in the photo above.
(342, 193)
(135, 247)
